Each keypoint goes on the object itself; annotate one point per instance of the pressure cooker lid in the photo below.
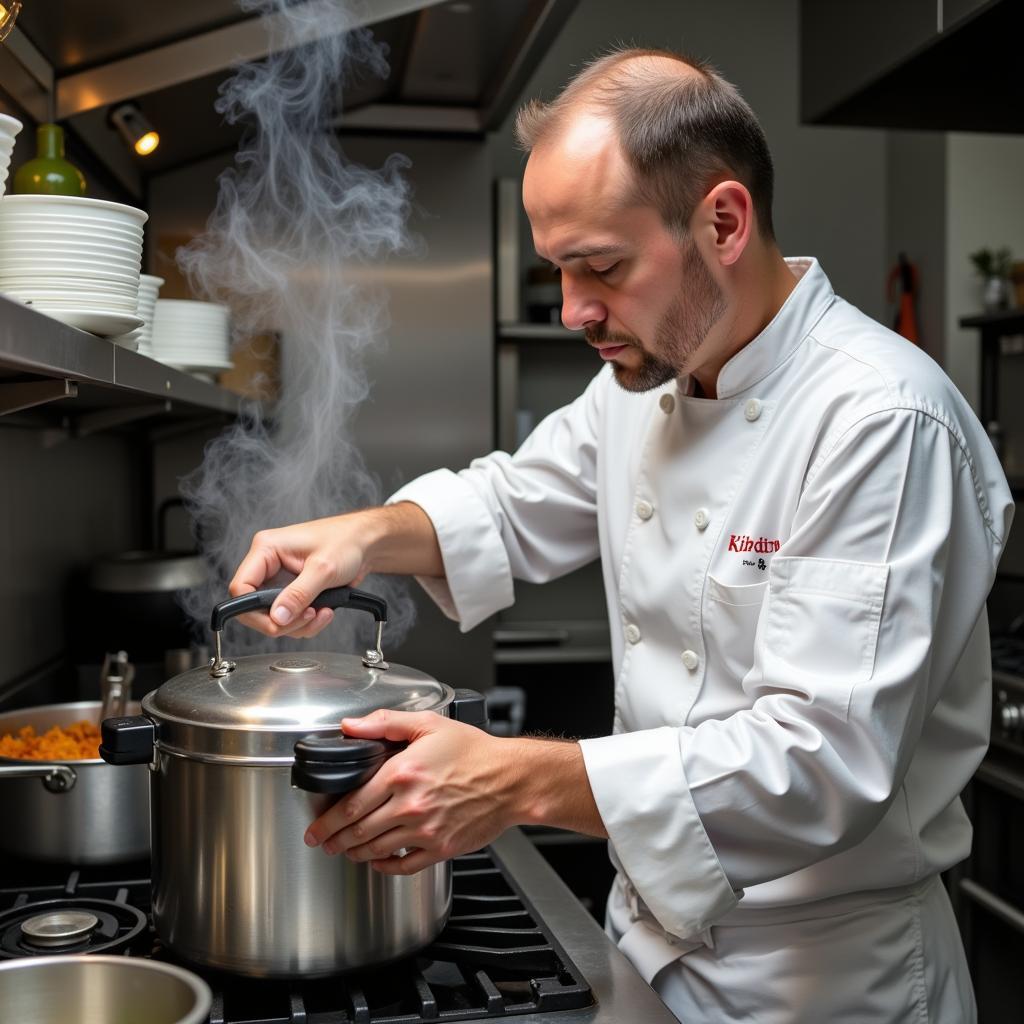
(269, 701)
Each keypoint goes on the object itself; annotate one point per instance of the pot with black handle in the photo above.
(243, 756)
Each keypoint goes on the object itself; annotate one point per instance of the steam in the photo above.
(291, 216)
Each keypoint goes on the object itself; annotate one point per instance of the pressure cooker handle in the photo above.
(336, 597)
(338, 764)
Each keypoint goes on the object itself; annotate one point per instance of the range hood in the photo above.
(456, 67)
(938, 65)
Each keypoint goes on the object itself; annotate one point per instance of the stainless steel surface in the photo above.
(103, 818)
(57, 778)
(107, 375)
(100, 990)
(204, 53)
(59, 928)
(139, 572)
(1005, 911)
(270, 701)
(235, 887)
(116, 678)
(620, 994)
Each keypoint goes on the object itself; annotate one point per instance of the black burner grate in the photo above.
(495, 958)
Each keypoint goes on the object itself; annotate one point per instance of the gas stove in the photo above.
(499, 956)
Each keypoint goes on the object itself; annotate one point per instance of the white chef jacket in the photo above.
(796, 575)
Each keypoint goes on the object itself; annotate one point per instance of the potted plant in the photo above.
(994, 267)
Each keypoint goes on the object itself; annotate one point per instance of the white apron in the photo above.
(871, 958)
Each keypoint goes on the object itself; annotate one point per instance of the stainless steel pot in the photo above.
(100, 990)
(73, 812)
(244, 756)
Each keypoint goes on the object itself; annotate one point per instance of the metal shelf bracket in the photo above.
(110, 419)
(18, 395)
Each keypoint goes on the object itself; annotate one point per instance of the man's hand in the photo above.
(333, 552)
(452, 790)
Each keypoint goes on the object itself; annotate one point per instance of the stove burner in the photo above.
(59, 928)
(77, 925)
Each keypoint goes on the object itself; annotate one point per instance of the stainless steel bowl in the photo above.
(101, 990)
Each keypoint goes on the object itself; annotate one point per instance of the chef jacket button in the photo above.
(667, 403)
(633, 633)
(752, 410)
(644, 509)
(701, 519)
(690, 660)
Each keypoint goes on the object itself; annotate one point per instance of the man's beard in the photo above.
(682, 329)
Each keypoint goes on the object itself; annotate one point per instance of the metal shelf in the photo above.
(537, 332)
(46, 365)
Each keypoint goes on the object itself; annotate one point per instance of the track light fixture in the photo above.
(8, 12)
(134, 128)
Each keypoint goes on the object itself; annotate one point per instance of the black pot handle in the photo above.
(127, 740)
(338, 764)
(336, 597)
(469, 707)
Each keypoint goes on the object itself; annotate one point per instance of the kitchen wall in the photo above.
(984, 208)
(66, 502)
(431, 402)
(830, 198)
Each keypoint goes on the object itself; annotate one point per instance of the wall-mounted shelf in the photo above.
(537, 332)
(993, 327)
(52, 369)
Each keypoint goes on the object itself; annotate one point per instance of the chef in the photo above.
(798, 518)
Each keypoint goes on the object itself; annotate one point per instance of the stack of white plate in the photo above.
(9, 128)
(141, 339)
(192, 335)
(75, 259)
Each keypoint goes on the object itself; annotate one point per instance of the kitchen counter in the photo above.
(620, 994)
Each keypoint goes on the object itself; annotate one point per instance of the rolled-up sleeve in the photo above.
(529, 516)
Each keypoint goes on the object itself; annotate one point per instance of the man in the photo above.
(799, 519)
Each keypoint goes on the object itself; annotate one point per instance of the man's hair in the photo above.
(680, 130)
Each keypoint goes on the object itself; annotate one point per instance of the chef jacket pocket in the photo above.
(730, 622)
(821, 625)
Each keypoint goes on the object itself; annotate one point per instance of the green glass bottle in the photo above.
(49, 173)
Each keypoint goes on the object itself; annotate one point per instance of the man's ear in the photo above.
(730, 214)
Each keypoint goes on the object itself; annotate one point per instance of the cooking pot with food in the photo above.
(70, 810)
(243, 756)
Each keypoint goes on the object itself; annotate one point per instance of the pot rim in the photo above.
(202, 995)
(96, 705)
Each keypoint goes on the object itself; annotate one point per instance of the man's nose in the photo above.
(580, 308)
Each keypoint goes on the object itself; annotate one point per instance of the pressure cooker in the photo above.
(243, 756)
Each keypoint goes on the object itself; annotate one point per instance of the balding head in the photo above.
(680, 126)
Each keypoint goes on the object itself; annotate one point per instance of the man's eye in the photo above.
(605, 271)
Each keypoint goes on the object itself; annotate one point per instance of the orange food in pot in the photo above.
(80, 741)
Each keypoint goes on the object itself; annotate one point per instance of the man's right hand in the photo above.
(333, 552)
(320, 554)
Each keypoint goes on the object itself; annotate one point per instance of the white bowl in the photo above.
(118, 292)
(94, 272)
(103, 234)
(53, 223)
(9, 128)
(44, 265)
(70, 294)
(193, 306)
(57, 229)
(79, 206)
(82, 302)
